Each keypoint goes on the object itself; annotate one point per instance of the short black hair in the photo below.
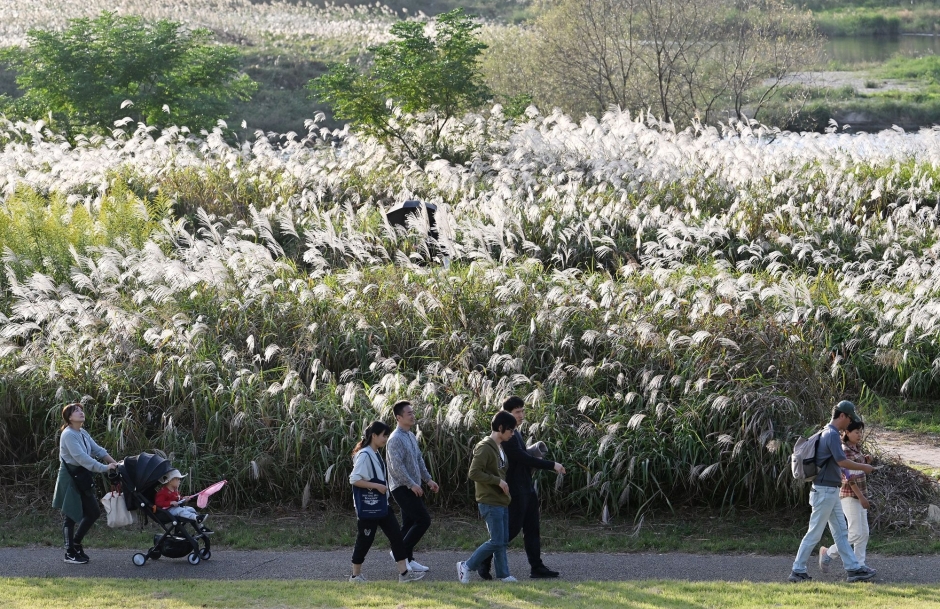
(513, 402)
(503, 421)
(399, 406)
(855, 425)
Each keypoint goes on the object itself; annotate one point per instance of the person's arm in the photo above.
(516, 453)
(97, 451)
(849, 464)
(860, 495)
(362, 473)
(163, 500)
(73, 451)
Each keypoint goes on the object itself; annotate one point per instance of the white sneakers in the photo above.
(409, 576)
(463, 575)
(357, 579)
(412, 565)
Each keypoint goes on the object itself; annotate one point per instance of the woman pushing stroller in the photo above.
(75, 493)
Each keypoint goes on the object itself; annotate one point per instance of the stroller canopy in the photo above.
(144, 470)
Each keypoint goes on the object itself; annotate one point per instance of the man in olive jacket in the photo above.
(524, 509)
(488, 472)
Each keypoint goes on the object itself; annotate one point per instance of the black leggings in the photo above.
(366, 536)
(90, 513)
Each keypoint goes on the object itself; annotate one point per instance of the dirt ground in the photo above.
(916, 449)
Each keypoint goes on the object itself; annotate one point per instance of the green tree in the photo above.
(431, 79)
(84, 75)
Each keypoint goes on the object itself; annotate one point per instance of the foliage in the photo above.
(85, 75)
(675, 307)
(435, 79)
(684, 61)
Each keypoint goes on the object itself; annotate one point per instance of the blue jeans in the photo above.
(826, 508)
(497, 523)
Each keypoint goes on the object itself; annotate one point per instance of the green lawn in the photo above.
(81, 593)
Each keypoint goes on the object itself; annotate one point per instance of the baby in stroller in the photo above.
(168, 498)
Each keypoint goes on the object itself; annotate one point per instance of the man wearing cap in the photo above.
(524, 507)
(824, 499)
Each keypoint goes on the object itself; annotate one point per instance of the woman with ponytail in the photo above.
(75, 493)
(369, 473)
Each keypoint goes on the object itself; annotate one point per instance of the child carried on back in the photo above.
(169, 499)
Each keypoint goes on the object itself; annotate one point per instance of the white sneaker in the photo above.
(414, 565)
(463, 573)
(409, 576)
(357, 579)
(509, 580)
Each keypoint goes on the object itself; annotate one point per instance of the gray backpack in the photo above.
(803, 460)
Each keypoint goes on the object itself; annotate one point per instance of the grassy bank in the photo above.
(94, 593)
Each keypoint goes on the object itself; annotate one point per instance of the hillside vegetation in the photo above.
(675, 307)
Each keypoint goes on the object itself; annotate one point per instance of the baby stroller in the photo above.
(139, 477)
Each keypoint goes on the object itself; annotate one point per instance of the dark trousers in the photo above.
(524, 517)
(415, 519)
(90, 513)
(366, 536)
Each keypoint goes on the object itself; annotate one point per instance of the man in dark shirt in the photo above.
(824, 499)
(524, 508)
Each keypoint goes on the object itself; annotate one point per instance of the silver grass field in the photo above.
(676, 308)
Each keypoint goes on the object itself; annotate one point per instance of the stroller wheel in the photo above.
(139, 559)
(154, 554)
(205, 553)
(193, 558)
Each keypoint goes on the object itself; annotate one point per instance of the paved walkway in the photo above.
(334, 565)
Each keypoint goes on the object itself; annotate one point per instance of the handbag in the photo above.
(371, 504)
(116, 509)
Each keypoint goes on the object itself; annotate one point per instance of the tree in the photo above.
(432, 79)
(84, 75)
(684, 60)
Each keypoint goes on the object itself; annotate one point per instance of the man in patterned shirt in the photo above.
(406, 473)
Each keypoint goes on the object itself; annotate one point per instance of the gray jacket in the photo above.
(405, 462)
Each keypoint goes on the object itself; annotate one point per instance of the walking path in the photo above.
(334, 565)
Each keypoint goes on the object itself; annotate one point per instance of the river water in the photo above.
(877, 49)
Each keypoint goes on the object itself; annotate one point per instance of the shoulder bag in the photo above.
(371, 504)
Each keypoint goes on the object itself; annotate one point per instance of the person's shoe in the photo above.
(416, 566)
(509, 580)
(862, 574)
(542, 572)
(200, 518)
(824, 559)
(409, 576)
(81, 552)
(463, 573)
(358, 579)
(71, 556)
(796, 578)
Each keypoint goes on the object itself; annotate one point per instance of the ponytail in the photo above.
(377, 428)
